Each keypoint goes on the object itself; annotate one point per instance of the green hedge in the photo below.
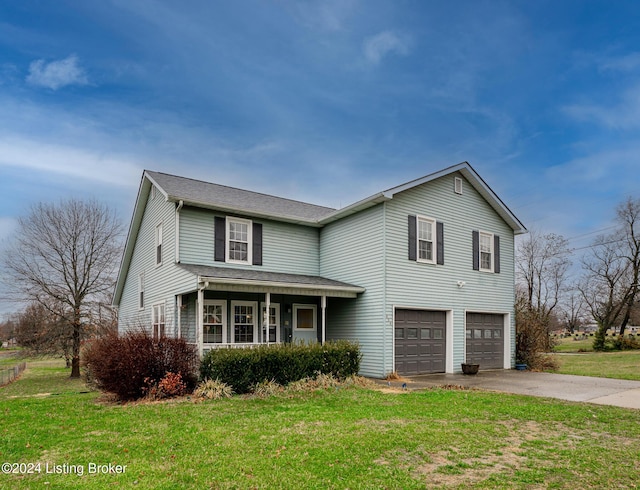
(283, 363)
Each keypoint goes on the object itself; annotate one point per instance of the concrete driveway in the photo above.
(617, 392)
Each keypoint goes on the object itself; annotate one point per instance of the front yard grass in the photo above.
(577, 357)
(616, 364)
(337, 438)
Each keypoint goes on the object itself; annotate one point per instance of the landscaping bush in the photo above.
(135, 364)
(213, 389)
(244, 369)
(170, 386)
(623, 343)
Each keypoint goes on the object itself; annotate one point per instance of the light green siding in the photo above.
(370, 249)
(286, 247)
(162, 282)
(352, 250)
(419, 285)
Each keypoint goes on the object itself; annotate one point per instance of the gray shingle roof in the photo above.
(216, 196)
(249, 275)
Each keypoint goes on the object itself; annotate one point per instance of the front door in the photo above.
(305, 323)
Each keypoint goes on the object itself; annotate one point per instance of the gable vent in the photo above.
(457, 185)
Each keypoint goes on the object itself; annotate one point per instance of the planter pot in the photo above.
(520, 366)
(470, 368)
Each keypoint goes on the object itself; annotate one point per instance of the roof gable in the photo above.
(464, 168)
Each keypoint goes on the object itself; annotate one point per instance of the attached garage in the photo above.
(485, 340)
(420, 341)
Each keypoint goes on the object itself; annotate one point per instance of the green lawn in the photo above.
(617, 364)
(578, 357)
(338, 438)
(571, 345)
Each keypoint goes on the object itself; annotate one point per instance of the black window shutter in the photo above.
(413, 253)
(496, 254)
(440, 242)
(220, 228)
(475, 242)
(257, 244)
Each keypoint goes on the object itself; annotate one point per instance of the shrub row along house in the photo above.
(421, 275)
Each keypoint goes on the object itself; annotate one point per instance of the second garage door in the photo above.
(420, 341)
(485, 340)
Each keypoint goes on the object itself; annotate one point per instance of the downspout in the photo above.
(178, 209)
(384, 289)
(323, 305)
(266, 321)
(199, 310)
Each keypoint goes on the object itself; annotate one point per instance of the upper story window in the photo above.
(239, 240)
(141, 291)
(486, 251)
(159, 244)
(426, 239)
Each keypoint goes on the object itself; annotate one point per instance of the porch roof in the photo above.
(250, 280)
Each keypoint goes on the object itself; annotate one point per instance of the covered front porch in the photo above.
(235, 308)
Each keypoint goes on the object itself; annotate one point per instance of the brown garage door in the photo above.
(420, 341)
(485, 340)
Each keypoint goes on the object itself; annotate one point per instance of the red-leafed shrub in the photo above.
(168, 387)
(129, 365)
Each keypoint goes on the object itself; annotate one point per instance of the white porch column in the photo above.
(265, 320)
(323, 304)
(199, 311)
(179, 320)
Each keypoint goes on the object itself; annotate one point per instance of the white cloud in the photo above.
(624, 115)
(68, 161)
(331, 15)
(56, 74)
(627, 63)
(377, 47)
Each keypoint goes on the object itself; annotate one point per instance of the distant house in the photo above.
(421, 274)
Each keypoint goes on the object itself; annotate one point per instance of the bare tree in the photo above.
(612, 270)
(572, 310)
(65, 255)
(40, 331)
(628, 215)
(8, 329)
(542, 262)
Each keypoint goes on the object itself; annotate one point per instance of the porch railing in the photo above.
(207, 347)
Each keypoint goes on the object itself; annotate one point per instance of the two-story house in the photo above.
(421, 275)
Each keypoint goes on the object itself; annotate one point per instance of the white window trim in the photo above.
(457, 185)
(159, 243)
(232, 321)
(223, 304)
(153, 319)
(263, 313)
(491, 246)
(249, 224)
(141, 291)
(434, 240)
(297, 307)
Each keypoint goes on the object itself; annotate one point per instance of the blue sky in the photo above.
(323, 101)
